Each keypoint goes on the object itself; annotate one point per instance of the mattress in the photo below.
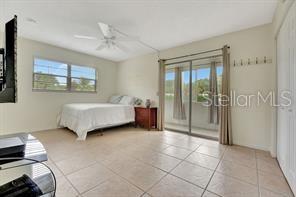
(84, 117)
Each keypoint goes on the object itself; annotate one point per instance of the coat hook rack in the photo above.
(255, 61)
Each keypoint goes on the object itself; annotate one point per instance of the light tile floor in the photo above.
(127, 162)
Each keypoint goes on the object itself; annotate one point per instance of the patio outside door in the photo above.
(177, 97)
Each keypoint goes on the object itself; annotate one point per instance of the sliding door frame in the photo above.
(190, 90)
(190, 98)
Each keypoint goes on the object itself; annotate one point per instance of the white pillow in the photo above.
(115, 99)
(127, 100)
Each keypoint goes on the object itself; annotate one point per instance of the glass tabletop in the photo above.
(34, 150)
(34, 176)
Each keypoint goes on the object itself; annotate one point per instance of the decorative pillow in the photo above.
(127, 100)
(115, 99)
(138, 101)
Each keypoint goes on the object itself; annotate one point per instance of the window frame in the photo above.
(198, 67)
(68, 77)
(204, 66)
(195, 68)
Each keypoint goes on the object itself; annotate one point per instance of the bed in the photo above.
(84, 117)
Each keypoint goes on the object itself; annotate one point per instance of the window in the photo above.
(57, 76)
(201, 82)
(169, 85)
(83, 78)
(50, 75)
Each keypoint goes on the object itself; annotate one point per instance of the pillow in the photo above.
(127, 100)
(137, 101)
(115, 99)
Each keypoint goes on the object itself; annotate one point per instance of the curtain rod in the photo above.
(213, 56)
(196, 66)
(193, 54)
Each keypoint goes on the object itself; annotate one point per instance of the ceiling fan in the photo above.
(110, 39)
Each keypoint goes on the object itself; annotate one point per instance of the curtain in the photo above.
(179, 109)
(161, 95)
(225, 130)
(213, 95)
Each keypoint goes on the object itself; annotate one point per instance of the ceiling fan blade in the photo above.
(121, 47)
(85, 37)
(100, 47)
(128, 38)
(105, 29)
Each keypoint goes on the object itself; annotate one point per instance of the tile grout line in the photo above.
(63, 175)
(122, 176)
(96, 162)
(169, 173)
(166, 172)
(151, 165)
(214, 173)
(71, 184)
(257, 173)
(115, 173)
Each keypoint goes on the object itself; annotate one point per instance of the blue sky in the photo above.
(201, 74)
(50, 67)
(57, 68)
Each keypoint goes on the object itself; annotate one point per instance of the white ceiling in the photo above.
(160, 23)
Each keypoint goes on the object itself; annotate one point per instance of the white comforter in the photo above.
(84, 117)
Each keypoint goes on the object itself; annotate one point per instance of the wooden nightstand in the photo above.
(146, 117)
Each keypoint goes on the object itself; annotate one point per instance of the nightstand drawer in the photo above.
(146, 117)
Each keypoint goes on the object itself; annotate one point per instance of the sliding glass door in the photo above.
(177, 97)
(206, 87)
(191, 97)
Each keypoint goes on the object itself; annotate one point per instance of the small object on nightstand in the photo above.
(148, 103)
(146, 117)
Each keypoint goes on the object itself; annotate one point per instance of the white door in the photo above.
(282, 120)
(291, 171)
(286, 59)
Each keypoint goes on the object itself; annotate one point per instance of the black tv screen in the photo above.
(8, 89)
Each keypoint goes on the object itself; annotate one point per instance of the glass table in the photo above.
(34, 151)
(25, 172)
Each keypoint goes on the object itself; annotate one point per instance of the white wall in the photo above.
(280, 14)
(139, 77)
(251, 126)
(38, 110)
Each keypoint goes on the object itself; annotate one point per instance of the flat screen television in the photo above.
(8, 82)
